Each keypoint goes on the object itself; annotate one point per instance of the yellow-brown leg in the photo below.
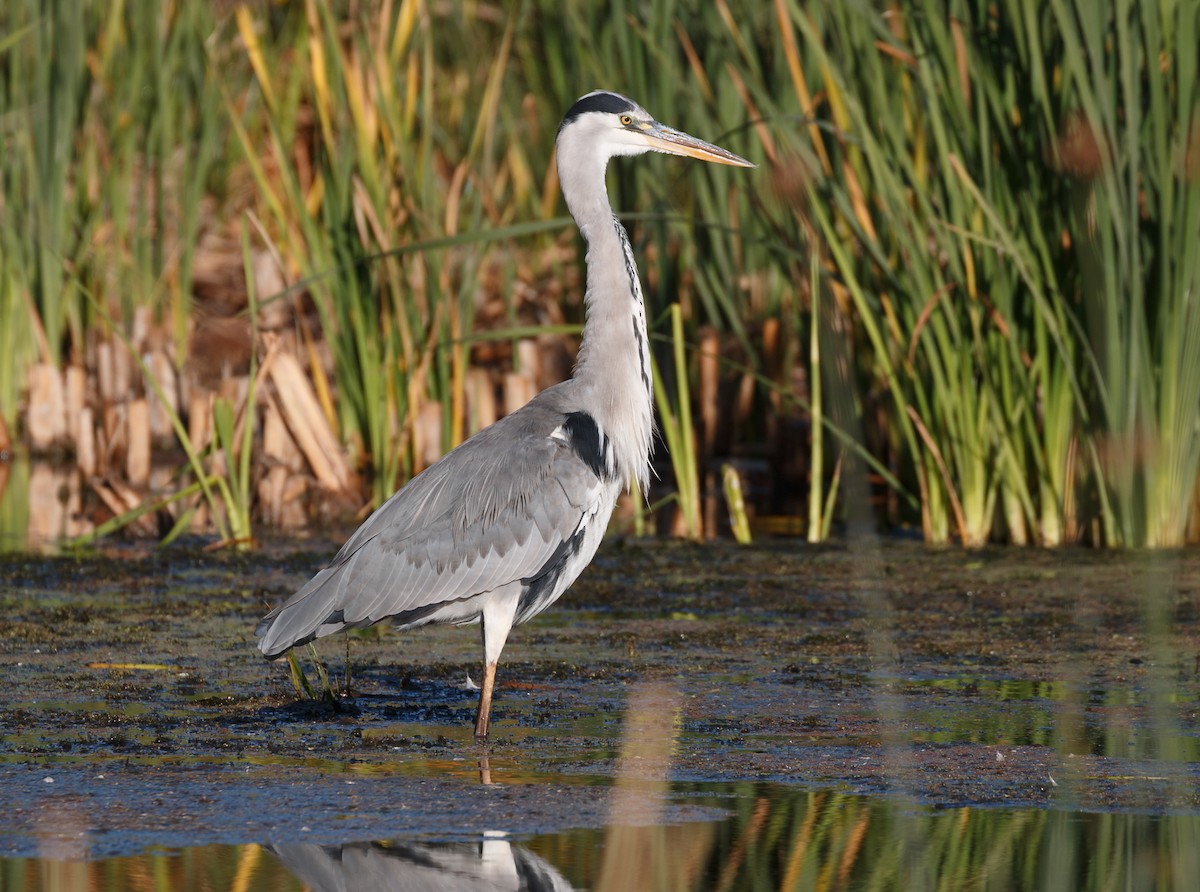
(485, 701)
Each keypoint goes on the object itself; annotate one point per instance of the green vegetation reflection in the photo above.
(774, 839)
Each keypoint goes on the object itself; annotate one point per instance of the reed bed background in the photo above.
(260, 263)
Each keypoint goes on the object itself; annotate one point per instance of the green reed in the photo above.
(42, 100)
(675, 415)
(111, 137)
(396, 320)
(1130, 98)
(934, 182)
(981, 217)
(233, 431)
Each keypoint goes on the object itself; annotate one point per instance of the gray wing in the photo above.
(498, 509)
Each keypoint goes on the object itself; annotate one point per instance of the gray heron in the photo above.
(496, 530)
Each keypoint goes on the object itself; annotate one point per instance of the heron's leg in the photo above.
(497, 619)
(485, 700)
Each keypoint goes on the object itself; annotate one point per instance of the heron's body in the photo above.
(492, 531)
(501, 526)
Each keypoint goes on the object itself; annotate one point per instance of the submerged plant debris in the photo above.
(138, 712)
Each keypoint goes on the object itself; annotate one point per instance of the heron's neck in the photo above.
(612, 372)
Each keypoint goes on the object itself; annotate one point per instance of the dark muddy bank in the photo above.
(137, 712)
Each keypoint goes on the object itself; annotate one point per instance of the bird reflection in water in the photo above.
(492, 864)
(637, 843)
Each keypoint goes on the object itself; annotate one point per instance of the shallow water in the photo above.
(868, 716)
(773, 838)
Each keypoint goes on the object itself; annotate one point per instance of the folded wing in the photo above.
(494, 512)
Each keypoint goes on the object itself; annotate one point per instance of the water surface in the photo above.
(782, 716)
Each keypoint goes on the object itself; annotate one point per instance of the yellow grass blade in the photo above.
(245, 25)
(320, 75)
(791, 52)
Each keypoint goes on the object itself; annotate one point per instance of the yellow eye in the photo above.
(626, 120)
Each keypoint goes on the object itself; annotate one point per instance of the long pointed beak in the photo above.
(662, 138)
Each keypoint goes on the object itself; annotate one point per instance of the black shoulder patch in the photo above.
(600, 101)
(587, 441)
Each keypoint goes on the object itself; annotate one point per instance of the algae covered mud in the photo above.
(689, 718)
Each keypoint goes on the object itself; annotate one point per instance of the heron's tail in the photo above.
(306, 616)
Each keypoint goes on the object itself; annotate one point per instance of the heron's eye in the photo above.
(626, 120)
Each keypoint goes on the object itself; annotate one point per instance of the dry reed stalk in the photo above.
(200, 418)
(678, 523)
(293, 514)
(282, 487)
(709, 389)
(481, 402)
(45, 510)
(275, 436)
(428, 434)
(163, 371)
(147, 524)
(46, 417)
(105, 373)
(113, 431)
(273, 315)
(54, 503)
(122, 364)
(270, 487)
(120, 498)
(518, 390)
(142, 327)
(75, 378)
(85, 442)
(529, 361)
(137, 453)
(310, 430)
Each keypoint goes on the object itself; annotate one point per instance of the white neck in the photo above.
(612, 371)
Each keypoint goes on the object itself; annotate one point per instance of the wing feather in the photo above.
(490, 513)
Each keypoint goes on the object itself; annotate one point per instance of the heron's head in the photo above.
(602, 125)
